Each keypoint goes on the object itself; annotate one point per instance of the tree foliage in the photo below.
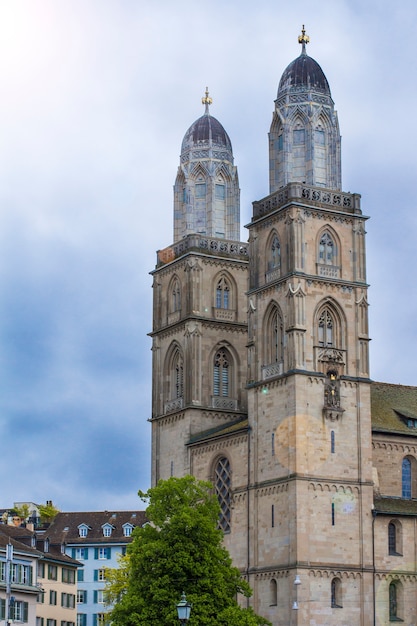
(179, 549)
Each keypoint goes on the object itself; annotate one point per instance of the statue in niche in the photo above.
(331, 390)
(332, 409)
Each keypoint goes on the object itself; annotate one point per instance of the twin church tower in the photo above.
(260, 358)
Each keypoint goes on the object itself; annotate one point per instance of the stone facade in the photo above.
(261, 382)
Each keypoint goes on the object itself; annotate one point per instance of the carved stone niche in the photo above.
(330, 359)
(332, 409)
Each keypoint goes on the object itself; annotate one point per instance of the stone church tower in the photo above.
(260, 359)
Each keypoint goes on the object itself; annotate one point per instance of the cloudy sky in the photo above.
(96, 96)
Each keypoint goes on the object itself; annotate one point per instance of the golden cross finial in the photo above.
(303, 39)
(206, 100)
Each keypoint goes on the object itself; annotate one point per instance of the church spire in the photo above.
(304, 40)
(206, 100)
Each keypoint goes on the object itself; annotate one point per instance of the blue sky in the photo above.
(96, 98)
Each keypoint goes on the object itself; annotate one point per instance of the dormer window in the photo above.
(127, 530)
(46, 545)
(107, 530)
(83, 530)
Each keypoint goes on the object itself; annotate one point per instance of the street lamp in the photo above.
(183, 609)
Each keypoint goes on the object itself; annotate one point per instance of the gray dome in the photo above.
(206, 130)
(303, 74)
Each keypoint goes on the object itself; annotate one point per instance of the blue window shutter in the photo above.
(108, 553)
(25, 611)
(95, 596)
(2, 609)
(94, 619)
(85, 554)
(73, 553)
(96, 553)
(85, 596)
(95, 575)
(80, 575)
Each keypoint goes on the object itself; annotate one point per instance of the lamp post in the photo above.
(183, 610)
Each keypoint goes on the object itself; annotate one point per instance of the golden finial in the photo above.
(206, 100)
(303, 39)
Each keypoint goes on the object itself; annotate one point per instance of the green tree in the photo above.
(47, 511)
(179, 549)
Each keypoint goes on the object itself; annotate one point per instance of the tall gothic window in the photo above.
(177, 376)
(406, 478)
(221, 373)
(222, 485)
(176, 296)
(327, 250)
(274, 337)
(222, 294)
(326, 329)
(274, 254)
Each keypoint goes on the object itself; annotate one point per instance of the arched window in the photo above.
(336, 593)
(395, 538)
(175, 296)
(222, 294)
(222, 485)
(327, 250)
(273, 592)
(221, 373)
(274, 261)
(395, 601)
(392, 538)
(274, 337)
(406, 478)
(326, 329)
(176, 375)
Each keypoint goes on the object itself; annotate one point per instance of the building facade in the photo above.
(261, 378)
(96, 540)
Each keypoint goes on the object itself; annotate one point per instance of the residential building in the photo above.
(18, 566)
(261, 378)
(96, 540)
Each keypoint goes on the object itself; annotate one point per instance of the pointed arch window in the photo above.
(176, 376)
(275, 254)
(222, 485)
(221, 374)
(176, 296)
(274, 344)
(223, 294)
(326, 329)
(327, 250)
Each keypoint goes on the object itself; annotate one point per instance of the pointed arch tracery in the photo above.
(328, 253)
(224, 296)
(174, 377)
(222, 481)
(273, 257)
(273, 334)
(330, 337)
(224, 369)
(174, 291)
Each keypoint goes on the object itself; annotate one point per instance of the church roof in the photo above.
(394, 408)
(303, 74)
(221, 431)
(395, 506)
(207, 130)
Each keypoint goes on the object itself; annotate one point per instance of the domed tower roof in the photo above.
(206, 131)
(305, 142)
(303, 74)
(206, 190)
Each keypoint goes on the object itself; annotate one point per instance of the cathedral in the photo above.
(261, 379)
